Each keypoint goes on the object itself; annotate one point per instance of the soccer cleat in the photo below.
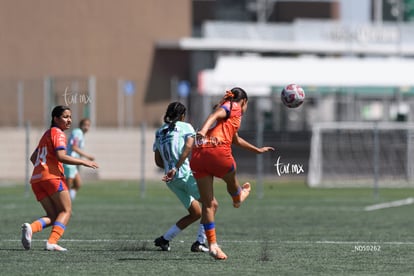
(26, 236)
(199, 247)
(162, 243)
(217, 253)
(243, 194)
(54, 247)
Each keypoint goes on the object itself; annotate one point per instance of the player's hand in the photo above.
(91, 164)
(266, 149)
(201, 134)
(91, 158)
(170, 175)
(199, 139)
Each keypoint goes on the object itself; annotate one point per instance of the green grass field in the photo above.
(293, 230)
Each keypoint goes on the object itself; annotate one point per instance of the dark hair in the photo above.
(173, 114)
(83, 121)
(236, 94)
(57, 112)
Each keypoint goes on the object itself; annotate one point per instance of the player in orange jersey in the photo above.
(212, 157)
(48, 180)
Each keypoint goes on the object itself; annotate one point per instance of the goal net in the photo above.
(361, 154)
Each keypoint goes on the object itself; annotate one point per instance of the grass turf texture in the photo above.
(293, 230)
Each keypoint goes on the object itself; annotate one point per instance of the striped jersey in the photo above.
(170, 144)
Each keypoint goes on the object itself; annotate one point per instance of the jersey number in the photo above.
(41, 156)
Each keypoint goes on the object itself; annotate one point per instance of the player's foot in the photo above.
(217, 253)
(243, 194)
(199, 247)
(162, 243)
(54, 247)
(26, 236)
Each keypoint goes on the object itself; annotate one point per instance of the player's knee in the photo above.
(195, 213)
(214, 205)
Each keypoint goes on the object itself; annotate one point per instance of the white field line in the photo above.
(390, 204)
(239, 241)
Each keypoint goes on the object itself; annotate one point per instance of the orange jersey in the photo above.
(212, 155)
(224, 130)
(47, 165)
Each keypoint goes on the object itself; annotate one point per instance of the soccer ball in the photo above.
(292, 95)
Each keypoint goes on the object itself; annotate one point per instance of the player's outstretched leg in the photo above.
(243, 194)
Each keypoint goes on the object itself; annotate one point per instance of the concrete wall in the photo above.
(117, 151)
(108, 39)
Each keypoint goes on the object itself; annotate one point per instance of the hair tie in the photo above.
(228, 95)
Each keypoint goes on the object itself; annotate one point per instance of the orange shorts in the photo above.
(48, 187)
(215, 161)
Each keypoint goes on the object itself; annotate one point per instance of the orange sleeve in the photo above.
(58, 139)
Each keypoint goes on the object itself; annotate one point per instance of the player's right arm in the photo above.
(219, 113)
(158, 159)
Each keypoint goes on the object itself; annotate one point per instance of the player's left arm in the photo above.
(239, 141)
(186, 151)
(59, 144)
(66, 159)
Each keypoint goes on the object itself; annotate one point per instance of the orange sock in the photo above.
(210, 230)
(57, 232)
(38, 225)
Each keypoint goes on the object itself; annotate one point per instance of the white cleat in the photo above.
(26, 236)
(54, 247)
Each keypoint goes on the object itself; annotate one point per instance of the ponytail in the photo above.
(236, 94)
(173, 114)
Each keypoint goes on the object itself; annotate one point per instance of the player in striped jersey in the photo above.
(76, 144)
(172, 146)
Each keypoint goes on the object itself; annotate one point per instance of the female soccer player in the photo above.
(172, 146)
(75, 149)
(48, 181)
(212, 157)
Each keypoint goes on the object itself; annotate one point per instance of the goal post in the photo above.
(362, 154)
